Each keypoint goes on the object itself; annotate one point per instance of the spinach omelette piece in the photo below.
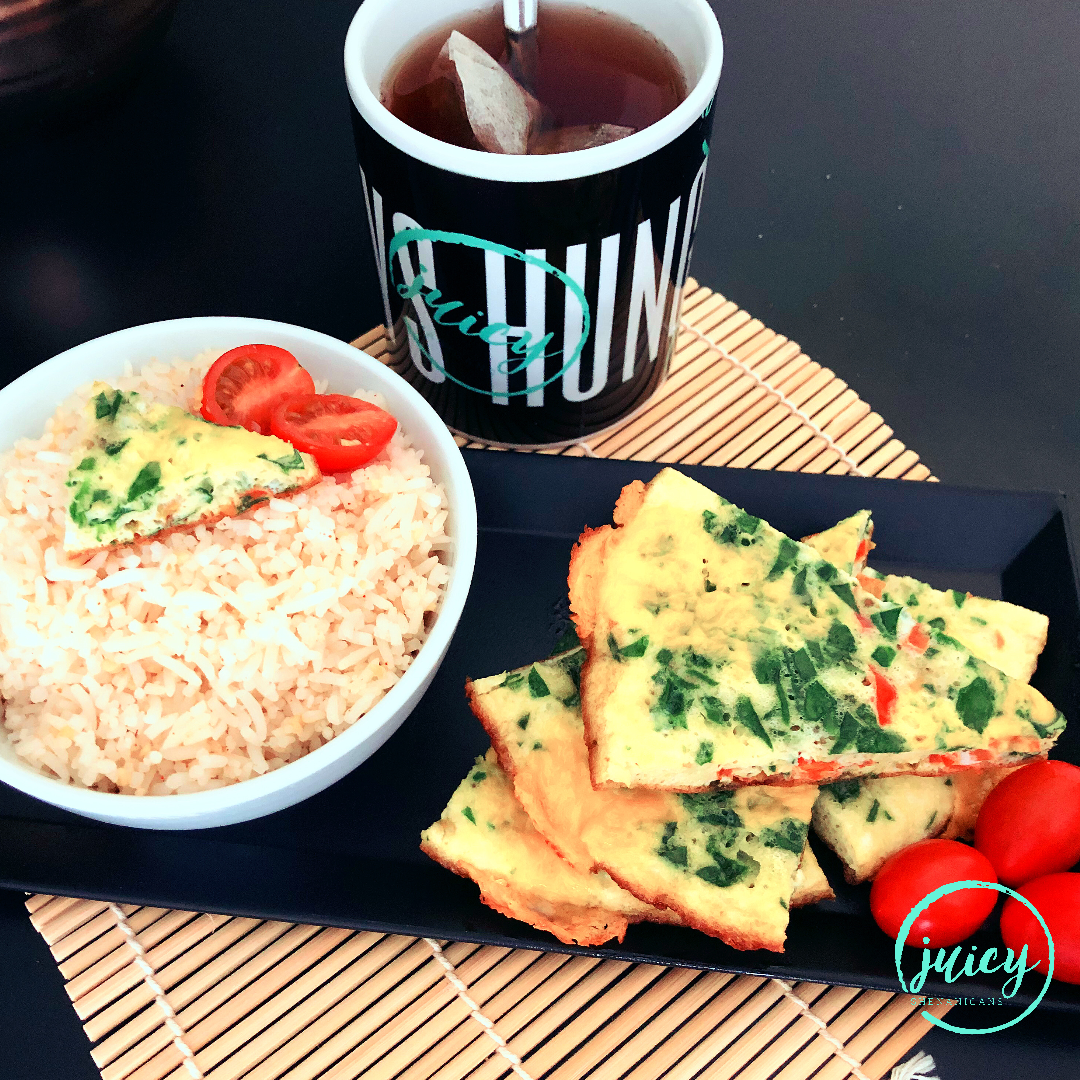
(865, 821)
(145, 468)
(846, 544)
(706, 626)
(1007, 636)
(484, 834)
(724, 862)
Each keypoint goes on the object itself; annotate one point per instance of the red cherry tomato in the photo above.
(341, 432)
(244, 385)
(1057, 899)
(912, 874)
(1030, 823)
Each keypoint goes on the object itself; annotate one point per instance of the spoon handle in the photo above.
(519, 15)
(520, 19)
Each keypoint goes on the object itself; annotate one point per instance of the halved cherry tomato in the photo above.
(885, 695)
(1057, 899)
(341, 432)
(244, 385)
(913, 873)
(1030, 823)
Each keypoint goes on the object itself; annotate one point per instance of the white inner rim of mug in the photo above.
(382, 29)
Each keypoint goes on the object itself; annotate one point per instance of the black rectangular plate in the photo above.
(349, 856)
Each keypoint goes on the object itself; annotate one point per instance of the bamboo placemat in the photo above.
(173, 995)
(742, 395)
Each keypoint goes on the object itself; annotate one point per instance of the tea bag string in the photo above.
(150, 978)
(502, 1047)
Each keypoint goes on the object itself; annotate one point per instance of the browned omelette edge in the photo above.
(585, 561)
(661, 899)
(969, 793)
(853, 878)
(807, 898)
(506, 763)
(592, 926)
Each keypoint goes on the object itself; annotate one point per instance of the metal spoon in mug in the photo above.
(519, 17)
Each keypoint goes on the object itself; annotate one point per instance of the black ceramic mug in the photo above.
(532, 300)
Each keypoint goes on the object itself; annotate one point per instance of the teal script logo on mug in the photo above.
(444, 312)
(1016, 967)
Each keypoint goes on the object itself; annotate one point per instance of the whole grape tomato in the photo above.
(1057, 899)
(913, 873)
(1029, 825)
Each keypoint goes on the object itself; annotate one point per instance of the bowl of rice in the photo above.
(219, 674)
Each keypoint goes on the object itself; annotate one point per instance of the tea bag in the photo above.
(578, 137)
(501, 113)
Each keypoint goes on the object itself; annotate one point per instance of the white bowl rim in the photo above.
(164, 808)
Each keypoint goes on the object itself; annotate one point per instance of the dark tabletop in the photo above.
(892, 186)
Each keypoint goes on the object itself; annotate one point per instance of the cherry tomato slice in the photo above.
(1057, 899)
(1030, 823)
(341, 432)
(913, 873)
(874, 586)
(919, 639)
(814, 770)
(885, 695)
(244, 385)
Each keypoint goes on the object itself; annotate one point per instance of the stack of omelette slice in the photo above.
(866, 821)
(667, 770)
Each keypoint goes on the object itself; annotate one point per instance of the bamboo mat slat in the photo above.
(245, 999)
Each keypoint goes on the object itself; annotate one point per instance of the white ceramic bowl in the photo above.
(28, 402)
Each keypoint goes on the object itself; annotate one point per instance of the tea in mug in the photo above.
(599, 78)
